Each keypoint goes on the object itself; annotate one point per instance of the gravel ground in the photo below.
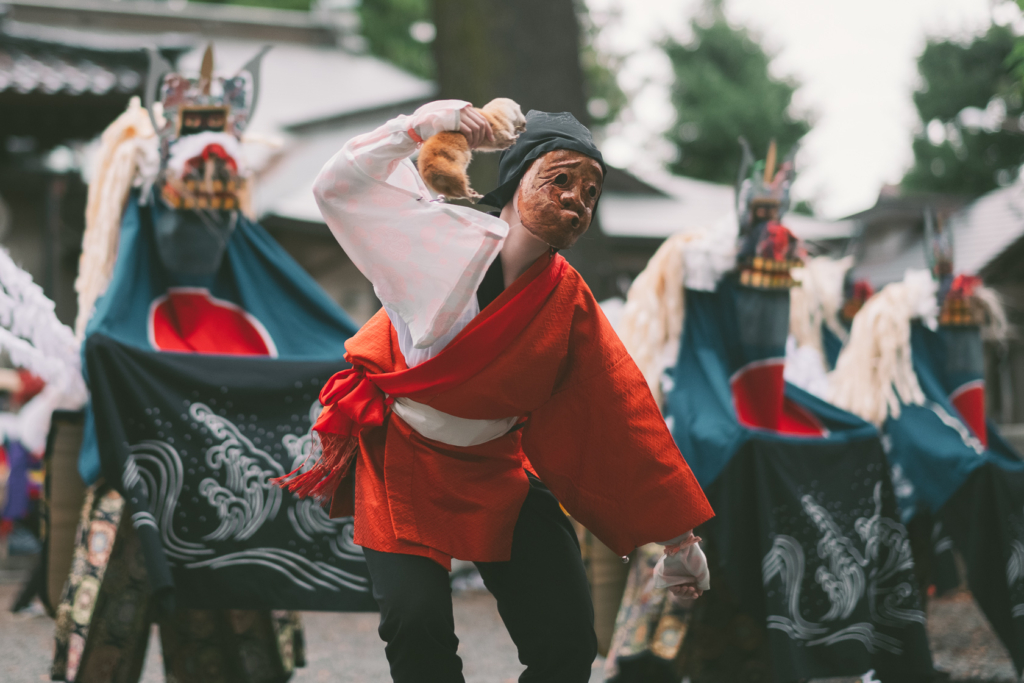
(487, 652)
(344, 648)
(963, 643)
(340, 648)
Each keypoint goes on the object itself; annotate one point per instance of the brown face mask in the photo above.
(557, 196)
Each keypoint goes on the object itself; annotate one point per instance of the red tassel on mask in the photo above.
(351, 403)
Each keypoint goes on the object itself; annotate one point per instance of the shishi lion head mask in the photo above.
(554, 173)
(558, 195)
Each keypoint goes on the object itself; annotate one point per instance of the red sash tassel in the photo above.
(351, 403)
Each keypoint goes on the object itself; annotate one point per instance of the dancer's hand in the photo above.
(681, 593)
(475, 127)
(683, 569)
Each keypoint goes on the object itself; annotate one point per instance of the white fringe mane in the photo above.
(996, 327)
(875, 373)
(128, 156)
(652, 320)
(817, 299)
(651, 326)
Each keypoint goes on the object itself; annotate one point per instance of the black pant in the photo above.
(542, 593)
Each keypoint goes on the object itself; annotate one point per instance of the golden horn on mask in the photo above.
(206, 70)
(769, 163)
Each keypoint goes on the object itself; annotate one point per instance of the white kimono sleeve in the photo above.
(424, 259)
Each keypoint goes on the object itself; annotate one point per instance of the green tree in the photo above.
(605, 98)
(400, 32)
(530, 51)
(970, 107)
(723, 91)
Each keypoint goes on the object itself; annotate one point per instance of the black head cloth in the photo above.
(545, 132)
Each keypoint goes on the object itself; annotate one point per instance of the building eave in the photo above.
(373, 114)
(146, 16)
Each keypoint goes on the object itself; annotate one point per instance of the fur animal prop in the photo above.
(445, 156)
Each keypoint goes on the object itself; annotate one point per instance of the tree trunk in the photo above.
(527, 50)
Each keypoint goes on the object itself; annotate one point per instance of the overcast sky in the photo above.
(856, 60)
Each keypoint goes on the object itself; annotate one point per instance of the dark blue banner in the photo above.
(204, 388)
(811, 569)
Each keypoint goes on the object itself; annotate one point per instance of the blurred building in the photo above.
(69, 67)
(637, 222)
(57, 88)
(889, 237)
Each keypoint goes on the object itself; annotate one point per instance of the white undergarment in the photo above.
(449, 429)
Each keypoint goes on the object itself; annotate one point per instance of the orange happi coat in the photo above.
(590, 430)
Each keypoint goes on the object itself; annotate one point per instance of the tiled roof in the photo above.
(51, 61)
(319, 27)
(24, 72)
(690, 204)
(982, 231)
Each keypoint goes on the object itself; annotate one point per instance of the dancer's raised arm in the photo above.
(425, 259)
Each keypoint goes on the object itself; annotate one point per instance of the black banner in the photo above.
(985, 519)
(192, 441)
(809, 552)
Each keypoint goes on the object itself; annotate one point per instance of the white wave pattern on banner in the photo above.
(886, 553)
(299, 570)
(309, 519)
(941, 542)
(901, 484)
(786, 560)
(244, 499)
(300, 448)
(156, 466)
(247, 498)
(1015, 565)
(843, 579)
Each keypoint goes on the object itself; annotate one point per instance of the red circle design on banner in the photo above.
(191, 320)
